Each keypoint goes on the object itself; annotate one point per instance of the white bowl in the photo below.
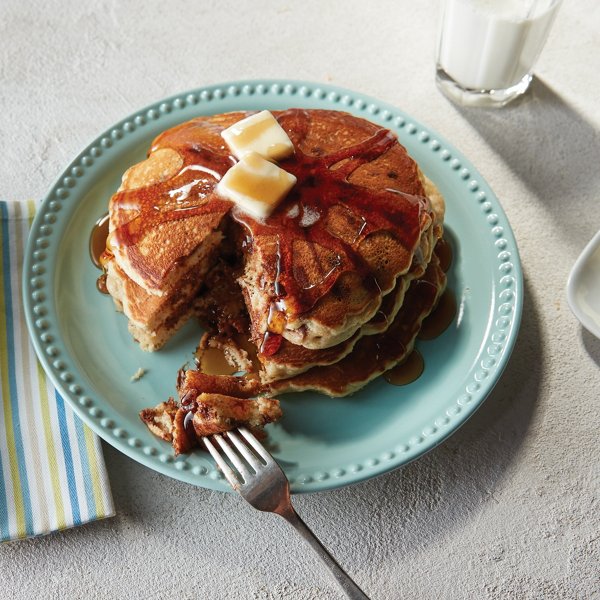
(583, 287)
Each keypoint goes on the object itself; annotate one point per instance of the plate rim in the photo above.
(47, 347)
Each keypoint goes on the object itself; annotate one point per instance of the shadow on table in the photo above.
(411, 508)
(591, 344)
(552, 148)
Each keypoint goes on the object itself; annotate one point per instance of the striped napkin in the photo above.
(52, 473)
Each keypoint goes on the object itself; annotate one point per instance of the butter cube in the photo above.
(259, 133)
(256, 185)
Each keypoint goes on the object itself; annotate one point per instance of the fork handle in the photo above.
(350, 588)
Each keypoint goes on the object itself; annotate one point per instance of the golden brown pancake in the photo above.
(293, 359)
(357, 226)
(154, 319)
(318, 268)
(331, 289)
(373, 355)
(207, 414)
(353, 363)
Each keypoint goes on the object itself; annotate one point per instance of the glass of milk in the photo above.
(487, 48)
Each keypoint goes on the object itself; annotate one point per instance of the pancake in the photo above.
(155, 264)
(313, 273)
(325, 294)
(208, 414)
(318, 268)
(358, 361)
(375, 354)
(152, 319)
(292, 359)
(194, 382)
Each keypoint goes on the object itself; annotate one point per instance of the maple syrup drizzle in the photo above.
(213, 362)
(101, 284)
(188, 400)
(271, 343)
(97, 248)
(188, 424)
(444, 252)
(276, 284)
(407, 371)
(186, 194)
(97, 243)
(441, 317)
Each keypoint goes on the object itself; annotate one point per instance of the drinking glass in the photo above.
(487, 48)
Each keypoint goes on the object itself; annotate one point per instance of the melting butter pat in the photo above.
(256, 185)
(259, 133)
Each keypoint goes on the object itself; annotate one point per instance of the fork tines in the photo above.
(245, 462)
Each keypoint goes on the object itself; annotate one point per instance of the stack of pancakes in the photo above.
(325, 294)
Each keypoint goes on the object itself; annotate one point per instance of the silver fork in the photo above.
(262, 483)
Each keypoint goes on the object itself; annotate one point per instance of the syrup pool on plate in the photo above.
(97, 247)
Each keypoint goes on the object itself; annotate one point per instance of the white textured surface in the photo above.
(506, 508)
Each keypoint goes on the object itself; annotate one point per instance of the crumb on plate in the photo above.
(138, 374)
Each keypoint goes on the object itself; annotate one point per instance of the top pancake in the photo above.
(318, 268)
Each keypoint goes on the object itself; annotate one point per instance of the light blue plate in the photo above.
(322, 443)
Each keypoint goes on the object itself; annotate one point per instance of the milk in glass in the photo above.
(491, 46)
